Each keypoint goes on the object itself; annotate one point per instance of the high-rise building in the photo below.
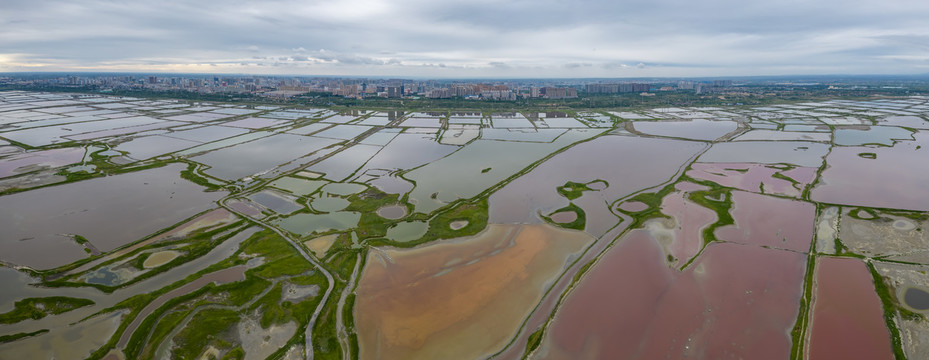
(559, 93)
(394, 91)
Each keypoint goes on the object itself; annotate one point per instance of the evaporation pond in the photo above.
(255, 123)
(917, 299)
(697, 129)
(344, 132)
(306, 224)
(207, 133)
(39, 159)
(298, 186)
(809, 154)
(407, 231)
(140, 203)
(343, 189)
(884, 135)
(150, 146)
(278, 202)
(263, 154)
(329, 203)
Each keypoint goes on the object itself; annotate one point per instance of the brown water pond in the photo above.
(465, 297)
(734, 301)
(770, 221)
(847, 318)
(894, 179)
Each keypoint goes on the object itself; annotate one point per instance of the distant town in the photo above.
(282, 87)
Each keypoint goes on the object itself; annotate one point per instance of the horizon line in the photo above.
(396, 77)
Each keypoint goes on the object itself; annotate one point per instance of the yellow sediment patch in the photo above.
(465, 297)
(320, 245)
(211, 219)
(160, 258)
(210, 353)
(309, 174)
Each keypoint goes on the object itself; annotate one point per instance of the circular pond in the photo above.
(564, 217)
(458, 224)
(904, 225)
(392, 212)
(633, 206)
(407, 231)
(597, 185)
(916, 298)
(329, 204)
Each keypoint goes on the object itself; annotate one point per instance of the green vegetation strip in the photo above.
(719, 200)
(798, 333)
(535, 339)
(37, 308)
(888, 300)
(17, 336)
(264, 243)
(195, 245)
(206, 328)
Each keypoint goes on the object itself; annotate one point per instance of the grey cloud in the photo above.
(531, 38)
(577, 65)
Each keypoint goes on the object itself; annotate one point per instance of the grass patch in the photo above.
(17, 336)
(237, 353)
(281, 259)
(789, 179)
(856, 214)
(191, 175)
(37, 308)
(572, 190)
(719, 200)
(342, 264)
(535, 339)
(265, 243)
(578, 224)
(888, 301)
(205, 329)
(325, 341)
(798, 333)
(367, 202)
(475, 212)
(168, 322)
(653, 201)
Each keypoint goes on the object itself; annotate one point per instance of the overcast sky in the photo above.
(472, 38)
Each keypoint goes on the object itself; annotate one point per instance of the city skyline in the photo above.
(469, 40)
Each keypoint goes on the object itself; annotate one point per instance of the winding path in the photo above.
(312, 260)
(341, 333)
